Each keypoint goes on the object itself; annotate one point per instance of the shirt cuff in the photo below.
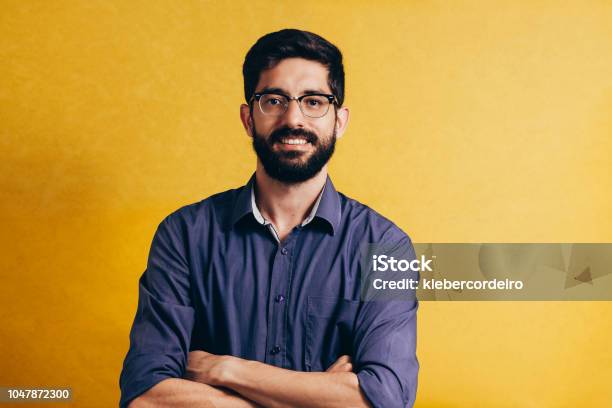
(378, 391)
(143, 372)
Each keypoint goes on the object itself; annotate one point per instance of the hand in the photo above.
(207, 368)
(341, 365)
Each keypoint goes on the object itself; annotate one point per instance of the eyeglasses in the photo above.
(311, 105)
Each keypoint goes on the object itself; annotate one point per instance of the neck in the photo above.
(286, 205)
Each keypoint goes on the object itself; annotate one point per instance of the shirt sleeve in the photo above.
(161, 332)
(385, 344)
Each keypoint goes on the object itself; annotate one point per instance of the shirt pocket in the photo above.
(329, 330)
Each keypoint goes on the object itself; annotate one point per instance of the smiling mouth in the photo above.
(293, 141)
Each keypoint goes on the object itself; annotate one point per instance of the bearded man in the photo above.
(253, 296)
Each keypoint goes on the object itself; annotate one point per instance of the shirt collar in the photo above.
(260, 219)
(327, 206)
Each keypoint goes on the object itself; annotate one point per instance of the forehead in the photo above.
(295, 76)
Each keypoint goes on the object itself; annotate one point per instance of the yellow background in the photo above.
(471, 122)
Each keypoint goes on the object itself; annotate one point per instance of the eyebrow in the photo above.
(284, 92)
(314, 91)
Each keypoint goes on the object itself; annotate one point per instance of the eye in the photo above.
(314, 101)
(273, 101)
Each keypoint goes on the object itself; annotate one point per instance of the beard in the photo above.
(285, 166)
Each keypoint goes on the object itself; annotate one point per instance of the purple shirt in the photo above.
(218, 280)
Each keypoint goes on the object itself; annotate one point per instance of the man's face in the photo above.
(293, 147)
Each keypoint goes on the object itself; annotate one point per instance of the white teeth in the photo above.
(293, 141)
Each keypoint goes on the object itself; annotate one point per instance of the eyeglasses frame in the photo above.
(257, 97)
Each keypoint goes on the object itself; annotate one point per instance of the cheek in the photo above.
(326, 130)
(263, 126)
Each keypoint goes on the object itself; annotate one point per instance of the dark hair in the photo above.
(272, 48)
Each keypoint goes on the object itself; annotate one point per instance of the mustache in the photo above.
(278, 134)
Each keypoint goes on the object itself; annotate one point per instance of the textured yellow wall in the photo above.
(471, 122)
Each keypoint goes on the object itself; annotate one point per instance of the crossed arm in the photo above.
(225, 381)
(383, 344)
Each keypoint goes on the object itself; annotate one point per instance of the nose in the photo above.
(293, 117)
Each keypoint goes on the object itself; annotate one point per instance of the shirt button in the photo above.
(280, 298)
(284, 251)
(275, 350)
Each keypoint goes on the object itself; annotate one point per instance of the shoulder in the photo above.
(359, 218)
(214, 210)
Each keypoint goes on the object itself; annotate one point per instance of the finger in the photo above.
(341, 368)
(194, 358)
(198, 354)
(344, 359)
(335, 364)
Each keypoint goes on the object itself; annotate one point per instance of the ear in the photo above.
(246, 118)
(342, 118)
